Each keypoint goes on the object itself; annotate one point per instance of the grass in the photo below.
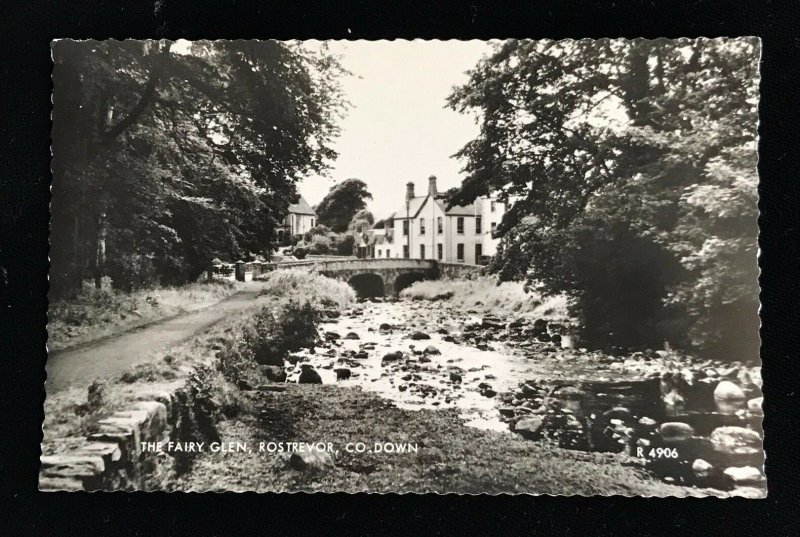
(307, 286)
(485, 295)
(96, 313)
(67, 420)
(450, 458)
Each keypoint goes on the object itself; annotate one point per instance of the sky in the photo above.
(398, 129)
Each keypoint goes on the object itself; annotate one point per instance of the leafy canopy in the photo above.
(630, 170)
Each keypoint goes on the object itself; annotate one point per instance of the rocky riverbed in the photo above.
(691, 422)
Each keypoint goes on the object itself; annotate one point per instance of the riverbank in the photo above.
(98, 313)
(450, 457)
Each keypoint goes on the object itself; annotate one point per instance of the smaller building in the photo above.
(299, 219)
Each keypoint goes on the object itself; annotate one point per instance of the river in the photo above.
(425, 355)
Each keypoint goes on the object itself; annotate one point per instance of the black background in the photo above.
(25, 32)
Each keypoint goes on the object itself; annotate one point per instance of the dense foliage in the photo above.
(168, 154)
(341, 204)
(630, 167)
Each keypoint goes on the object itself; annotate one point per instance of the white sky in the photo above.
(398, 128)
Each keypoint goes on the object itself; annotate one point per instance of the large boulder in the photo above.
(746, 475)
(673, 431)
(727, 390)
(342, 373)
(419, 335)
(430, 349)
(732, 437)
(309, 375)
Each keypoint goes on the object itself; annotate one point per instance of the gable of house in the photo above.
(302, 207)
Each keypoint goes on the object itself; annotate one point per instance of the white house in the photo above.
(300, 219)
(423, 228)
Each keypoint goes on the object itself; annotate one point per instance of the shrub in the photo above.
(299, 252)
(483, 293)
(320, 245)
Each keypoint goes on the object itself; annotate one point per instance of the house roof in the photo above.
(416, 204)
(302, 207)
(461, 210)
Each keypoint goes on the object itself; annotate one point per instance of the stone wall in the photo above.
(112, 458)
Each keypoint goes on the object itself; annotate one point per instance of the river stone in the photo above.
(746, 475)
(275, 373)
(342, 373)
(755, 405)
(734, 437)
(492, 322)
(530, 428)
(430, 349)
(727, 390)
(702, 468)
(331, 336)
(419, 335)
(675, 430)
(455, 377)
(392, 356)
(308, 375)
(385, 327)
(311, 459)
(352, 335)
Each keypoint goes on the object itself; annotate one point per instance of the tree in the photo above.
(361, 221)
(344, 200)
(630, 168)
(167, 155)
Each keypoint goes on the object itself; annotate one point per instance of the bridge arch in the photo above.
(367, 285)
(405, 279)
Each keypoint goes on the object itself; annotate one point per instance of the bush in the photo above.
(299, 252)
(346, 245)
(320, 245)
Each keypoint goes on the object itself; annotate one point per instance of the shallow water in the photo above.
(503, 366)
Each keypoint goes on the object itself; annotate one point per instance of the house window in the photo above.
(460, 225)
(405, 227)
(493, 225)
(478, 252)
(422, 251)
(460, 251)
(439, 251)
(492, 206)
(405, 251)
(379, 253)
(421, 226)
(478, 225)
(439, 227)
(312, 222)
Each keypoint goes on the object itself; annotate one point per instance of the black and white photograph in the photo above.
(506, 266)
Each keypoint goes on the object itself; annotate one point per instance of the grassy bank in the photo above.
(96, 313)
(71, 413)
(483, 294)
(450, 456)
(307, 286)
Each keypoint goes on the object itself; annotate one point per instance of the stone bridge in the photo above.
(383, 277)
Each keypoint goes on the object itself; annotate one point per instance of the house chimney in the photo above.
(432, 186)
(409, 191)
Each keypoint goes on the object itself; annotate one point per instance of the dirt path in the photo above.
(113, 356)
